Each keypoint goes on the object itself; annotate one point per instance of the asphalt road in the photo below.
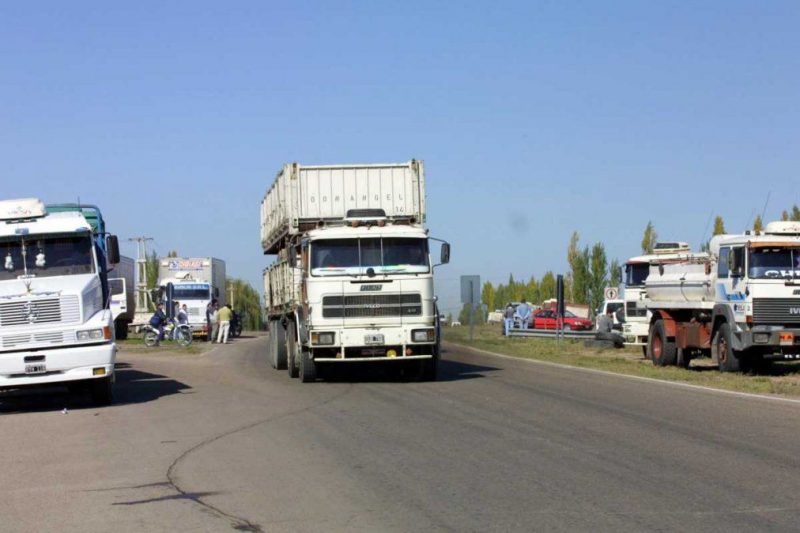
(221, 441)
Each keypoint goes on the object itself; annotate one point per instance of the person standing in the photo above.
(508, 319)
(209, 322)
(224, 324)
(524, 312)
(214, 322)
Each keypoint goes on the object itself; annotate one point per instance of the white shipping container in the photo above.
(302, 196)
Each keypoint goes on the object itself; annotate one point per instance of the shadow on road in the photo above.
(388, 373)
(133, 386)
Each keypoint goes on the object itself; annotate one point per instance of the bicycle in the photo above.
(180, 333)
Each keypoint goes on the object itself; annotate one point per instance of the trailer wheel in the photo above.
(291, 352)
(729, 359)
(662, 352)
(308, 369)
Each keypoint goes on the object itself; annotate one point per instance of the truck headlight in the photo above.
(90, 335)
(423, 335)
(325, 338)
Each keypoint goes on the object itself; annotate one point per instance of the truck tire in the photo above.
(121, 329)
(729, 360)
(291, 352)
(661, 351)
(307, 367)
(279, 354)
(102, 391)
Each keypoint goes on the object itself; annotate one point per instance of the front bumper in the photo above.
(62, 365)
(768, 338)
(351, 345)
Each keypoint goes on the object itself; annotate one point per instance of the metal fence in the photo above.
(551, 333)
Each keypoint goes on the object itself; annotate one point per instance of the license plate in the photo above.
(376, 338)
(36, 369)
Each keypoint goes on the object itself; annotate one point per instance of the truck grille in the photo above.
(36, 339)
(776, 311)
(371, 305)
(42, 311)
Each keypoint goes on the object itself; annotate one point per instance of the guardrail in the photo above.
(551, 333)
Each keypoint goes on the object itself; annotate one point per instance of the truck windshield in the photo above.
(332, 257)
(774, 263)
(195, 291)
(45, 256)
(635, 274)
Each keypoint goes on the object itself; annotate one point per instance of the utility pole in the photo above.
(142, 296)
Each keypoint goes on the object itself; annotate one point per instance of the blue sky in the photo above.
(534, 118)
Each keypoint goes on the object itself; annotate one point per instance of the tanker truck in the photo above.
(738, 304)
(636, 327)
(352, 281)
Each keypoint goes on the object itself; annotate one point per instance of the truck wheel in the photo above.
(121, 330)
(150, 338)
(307, 367)
(661, 351)
(729, 359)
(277, 342)
(291, 353)
(102, 391)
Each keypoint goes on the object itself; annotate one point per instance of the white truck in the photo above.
(637, 318)
(740, 303)
(122, 286)
(353, 277)
(55, 324)
(195, 281)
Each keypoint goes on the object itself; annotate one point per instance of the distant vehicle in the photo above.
(123, 295)
(547, 319)
(635, 271)
(196, 281)
(614, 306)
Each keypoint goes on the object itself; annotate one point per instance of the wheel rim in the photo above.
(658, 346)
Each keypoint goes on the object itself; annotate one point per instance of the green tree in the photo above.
(795, 214)
(547, 286)
(572, 258)
(719, 226)
(598, 278)
(649, 238)
(614, 274)
(532, 291)
(488, 294)
(758, 224)
(151, 266)
(785, 216)
(243, 298)
(581, 277)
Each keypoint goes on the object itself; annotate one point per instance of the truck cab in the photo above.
(55, 325)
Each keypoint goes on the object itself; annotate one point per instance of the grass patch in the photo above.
(779, 377)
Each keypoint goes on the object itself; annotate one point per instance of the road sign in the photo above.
(611, 293)
(470, 290)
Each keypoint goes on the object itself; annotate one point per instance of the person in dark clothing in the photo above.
(159, 321)
(605, 325)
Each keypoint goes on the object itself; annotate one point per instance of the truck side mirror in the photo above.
(445, 253)
(113, 249)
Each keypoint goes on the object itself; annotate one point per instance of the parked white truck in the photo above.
(740, 303)
(55, 325)
(122, 287)
(196, 281)
(636, 269)
(353, 278)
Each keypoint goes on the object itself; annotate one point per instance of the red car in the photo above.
(546, 319)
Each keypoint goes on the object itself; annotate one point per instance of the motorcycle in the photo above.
(180, 333)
